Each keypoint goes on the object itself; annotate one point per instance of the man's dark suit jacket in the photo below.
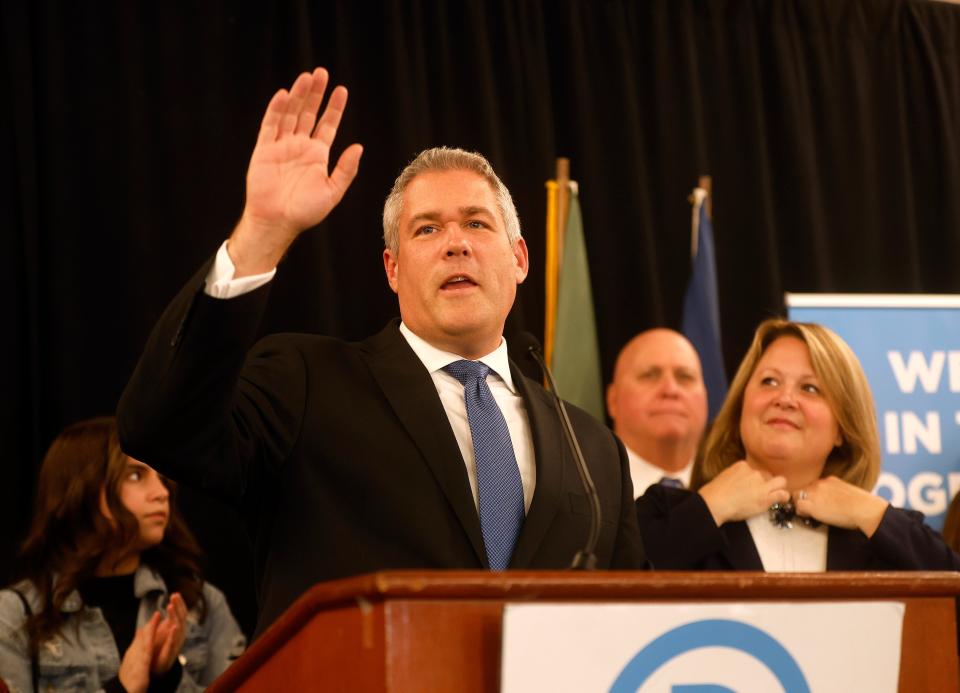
(340, 455)
(679, 534)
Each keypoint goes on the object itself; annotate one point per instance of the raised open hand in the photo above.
(289, 185)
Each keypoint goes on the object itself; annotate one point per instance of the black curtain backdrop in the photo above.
(830, 129)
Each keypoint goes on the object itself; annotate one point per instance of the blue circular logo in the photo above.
(711, 633)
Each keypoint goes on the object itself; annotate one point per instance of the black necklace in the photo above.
(782, 515)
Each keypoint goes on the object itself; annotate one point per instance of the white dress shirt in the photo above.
(504, 392)
(221, 284)
(643, 474)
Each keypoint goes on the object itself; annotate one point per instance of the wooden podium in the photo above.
(441, 631)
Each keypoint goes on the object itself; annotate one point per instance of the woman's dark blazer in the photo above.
(679, 534)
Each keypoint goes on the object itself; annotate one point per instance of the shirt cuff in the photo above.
(220, 282)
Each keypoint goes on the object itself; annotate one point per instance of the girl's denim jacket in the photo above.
(84, 656)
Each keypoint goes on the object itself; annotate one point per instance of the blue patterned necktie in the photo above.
(671, 482)
(498, 476)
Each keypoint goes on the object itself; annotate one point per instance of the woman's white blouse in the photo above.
(800, 549)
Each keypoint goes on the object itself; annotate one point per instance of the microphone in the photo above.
(585, 559)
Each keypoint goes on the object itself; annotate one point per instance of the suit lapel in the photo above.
(410, 390)
(551, 459)
(740, 550)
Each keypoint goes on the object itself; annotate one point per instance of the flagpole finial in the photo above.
(700, 197)
(706, 182)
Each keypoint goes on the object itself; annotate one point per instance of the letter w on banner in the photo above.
(701, 305)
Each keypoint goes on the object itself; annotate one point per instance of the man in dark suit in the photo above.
(348, 458)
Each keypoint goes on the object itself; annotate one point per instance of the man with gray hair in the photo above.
(422, 447)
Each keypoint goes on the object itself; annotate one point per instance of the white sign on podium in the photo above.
(717, 647)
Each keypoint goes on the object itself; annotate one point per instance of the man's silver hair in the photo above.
(446, 159)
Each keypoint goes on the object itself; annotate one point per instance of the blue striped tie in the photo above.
(498, 477)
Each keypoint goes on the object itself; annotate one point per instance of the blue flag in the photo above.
(701, 307)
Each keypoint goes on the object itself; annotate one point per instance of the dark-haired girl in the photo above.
(110, 595)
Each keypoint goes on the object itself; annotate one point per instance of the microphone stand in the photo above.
(586, 558)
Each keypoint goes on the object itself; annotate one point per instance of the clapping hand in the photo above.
(155, 646)
(134, 671)
(170, 635)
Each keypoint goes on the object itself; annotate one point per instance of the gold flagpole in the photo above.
(558, 204)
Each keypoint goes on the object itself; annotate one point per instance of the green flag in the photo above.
(576, 354)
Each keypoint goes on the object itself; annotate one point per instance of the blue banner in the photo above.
(910, 350)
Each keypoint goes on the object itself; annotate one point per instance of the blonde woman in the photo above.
(783, 481)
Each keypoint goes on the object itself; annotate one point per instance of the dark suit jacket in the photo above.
(679, 534)
(340, 455)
